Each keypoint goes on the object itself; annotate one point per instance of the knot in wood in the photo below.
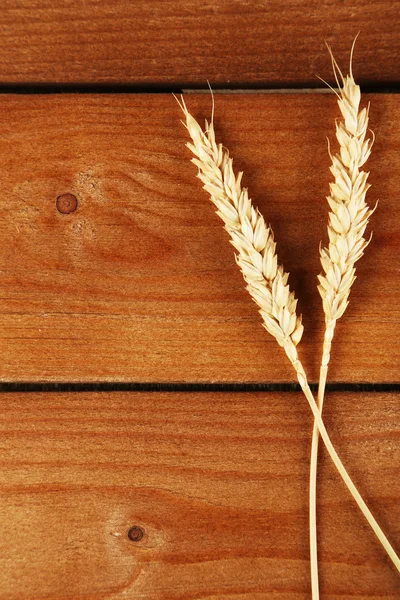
(66, 203)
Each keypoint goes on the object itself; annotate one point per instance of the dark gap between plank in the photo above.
(180, 87)
(11, 386)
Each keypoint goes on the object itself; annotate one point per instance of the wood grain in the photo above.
(186, 42)
(217, 482)
(139, 282)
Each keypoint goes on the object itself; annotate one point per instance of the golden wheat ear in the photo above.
(348, 219)
(349, 212)
(251, 237)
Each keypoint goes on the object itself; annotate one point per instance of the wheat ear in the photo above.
(348, 219)
(349, 214)
(266, 282)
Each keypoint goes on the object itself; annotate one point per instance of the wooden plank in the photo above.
(217, 483)
(187, 41)
(139, 282)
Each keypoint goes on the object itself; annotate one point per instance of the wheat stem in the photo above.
(313, 490)
(323, 373)
(302, 378)
(346, 477)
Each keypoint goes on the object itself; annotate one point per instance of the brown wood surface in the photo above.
(186, 42)
(139, 282)
(113, 267)
(216, 481)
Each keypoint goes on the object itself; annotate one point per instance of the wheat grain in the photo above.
(348, 219)
(266, 282)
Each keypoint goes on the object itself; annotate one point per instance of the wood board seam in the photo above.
(177, 88)
(51, 387)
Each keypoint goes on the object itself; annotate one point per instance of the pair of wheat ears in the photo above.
(267, 282)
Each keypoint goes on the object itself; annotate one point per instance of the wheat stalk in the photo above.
(348, 219)
(266, 281)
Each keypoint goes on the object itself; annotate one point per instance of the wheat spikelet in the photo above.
(250, 236)
(266, 282)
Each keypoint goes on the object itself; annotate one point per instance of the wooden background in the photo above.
(139, 392)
